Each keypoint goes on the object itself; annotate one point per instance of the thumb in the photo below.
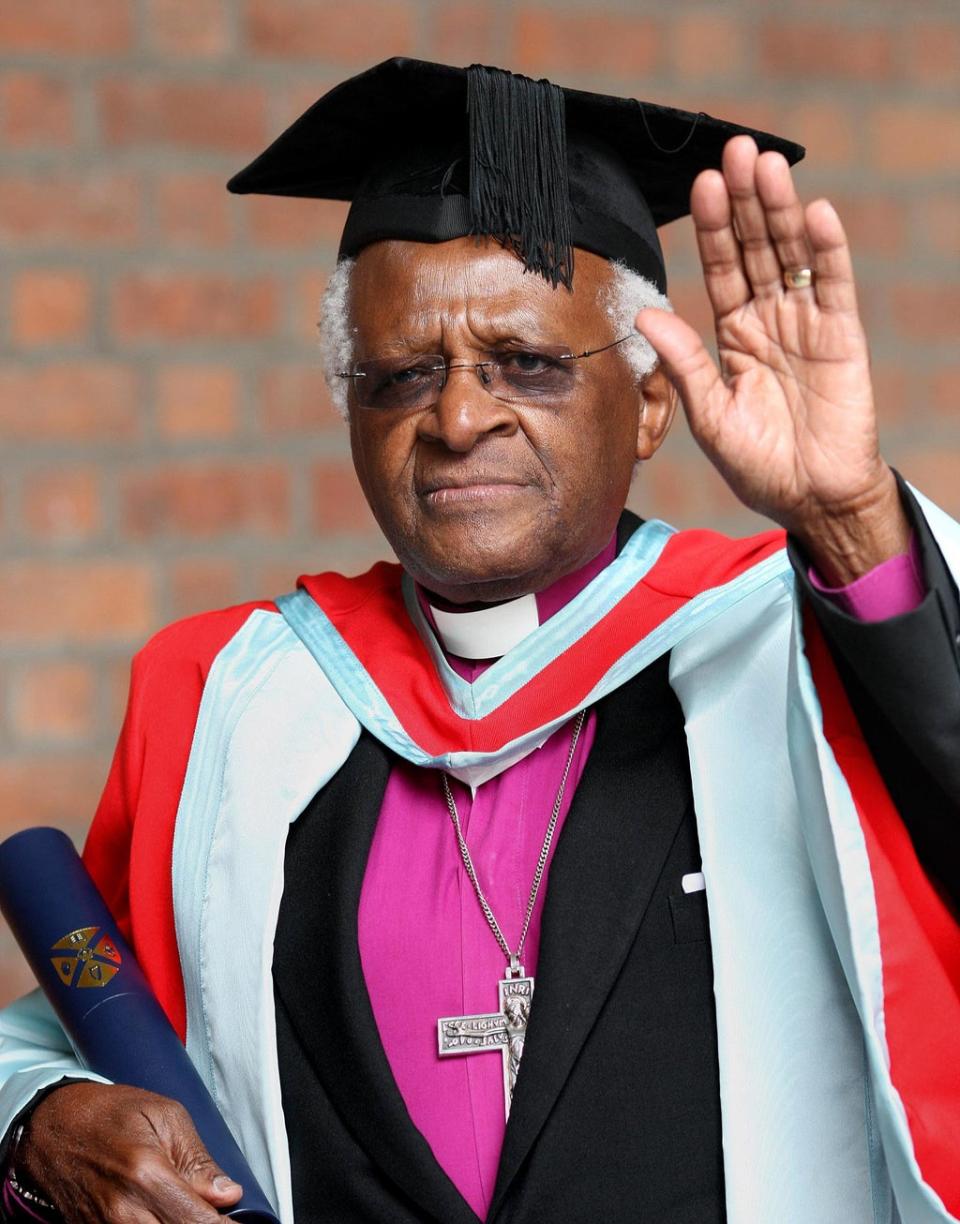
(684, 358)
(201, 1172)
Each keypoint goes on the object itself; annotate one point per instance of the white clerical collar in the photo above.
(489, 632)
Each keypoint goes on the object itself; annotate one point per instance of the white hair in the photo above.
(626, 295)
(624, 298)
(336, 337)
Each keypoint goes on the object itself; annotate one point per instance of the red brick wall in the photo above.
(167, 442)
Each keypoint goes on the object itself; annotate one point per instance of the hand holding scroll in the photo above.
(104, 1152)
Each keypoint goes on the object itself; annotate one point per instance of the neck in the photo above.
(487, 630)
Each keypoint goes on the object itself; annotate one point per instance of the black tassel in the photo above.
(518, 169)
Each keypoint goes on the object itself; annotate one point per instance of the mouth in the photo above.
(446, 492)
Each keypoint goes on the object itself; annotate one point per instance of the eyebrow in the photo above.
(517, 326)
(518, 323)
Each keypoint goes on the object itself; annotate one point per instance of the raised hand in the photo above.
(788, 418)
(104, 1153)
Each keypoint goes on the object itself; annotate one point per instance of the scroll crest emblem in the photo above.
(86, 958)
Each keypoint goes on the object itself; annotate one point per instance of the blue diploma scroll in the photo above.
(98, 991)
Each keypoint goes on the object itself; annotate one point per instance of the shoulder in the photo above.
(196, 640)
(187, 648)
(168, 677)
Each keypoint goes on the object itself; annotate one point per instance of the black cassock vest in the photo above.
(616, 1114)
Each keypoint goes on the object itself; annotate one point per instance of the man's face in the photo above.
(482, 499)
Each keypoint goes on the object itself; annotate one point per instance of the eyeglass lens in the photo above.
(393, 383)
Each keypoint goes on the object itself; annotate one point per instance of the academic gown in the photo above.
(238, 719)
(616, 1114)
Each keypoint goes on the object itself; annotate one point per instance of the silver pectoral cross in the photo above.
(504, 1030)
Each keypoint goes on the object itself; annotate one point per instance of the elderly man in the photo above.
(573, 869)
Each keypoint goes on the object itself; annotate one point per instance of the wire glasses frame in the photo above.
(522, 374)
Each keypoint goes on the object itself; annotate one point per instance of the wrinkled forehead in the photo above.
(401, 285)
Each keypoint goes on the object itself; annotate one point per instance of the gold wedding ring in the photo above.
(798, 278)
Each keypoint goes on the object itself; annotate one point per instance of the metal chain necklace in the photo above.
(503, 1030)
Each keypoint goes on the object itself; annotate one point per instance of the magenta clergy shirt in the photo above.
(425, 945)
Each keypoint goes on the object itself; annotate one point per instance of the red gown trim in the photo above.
(369, 614)
(129, 849)
(919, 940)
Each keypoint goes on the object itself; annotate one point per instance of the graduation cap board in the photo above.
(428, 152)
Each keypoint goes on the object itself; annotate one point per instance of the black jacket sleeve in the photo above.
(902, 676)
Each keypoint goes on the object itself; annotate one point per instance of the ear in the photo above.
(657, 408)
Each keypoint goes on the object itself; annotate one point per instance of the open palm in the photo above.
(788, 418)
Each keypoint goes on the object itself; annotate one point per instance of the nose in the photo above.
(465, 411)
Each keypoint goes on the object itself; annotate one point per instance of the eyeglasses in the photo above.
(391, 384)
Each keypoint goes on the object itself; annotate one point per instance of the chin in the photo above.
(486, 555)
(480, 565)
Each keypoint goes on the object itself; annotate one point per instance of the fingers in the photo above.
(687, 363)
(749, 224)
(751, 227)
(211, 1183)
(158, 1190)
(724, 275)
(192, 1160)
(835, 286)
(785, 217)
(760, 257)
(148, 1191)
(812, 237)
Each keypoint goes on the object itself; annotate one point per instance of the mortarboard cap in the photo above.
(428, 152)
